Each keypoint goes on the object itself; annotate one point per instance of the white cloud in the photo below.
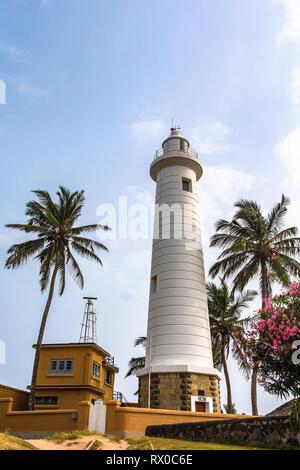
(25, 87)
(291, 22)
(288, 152)
(295, 87)
(292, 216)
(133, 283)
(225, 182)
(142, 197)
(138, 260)
(16, 54)
(210, 138)
(219, 188)
(147, 130)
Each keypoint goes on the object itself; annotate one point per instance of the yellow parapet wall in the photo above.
(127, 421)
(42, 421)
(120, 420)
(20, 397)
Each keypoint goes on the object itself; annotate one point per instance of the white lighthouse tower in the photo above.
(178, 372)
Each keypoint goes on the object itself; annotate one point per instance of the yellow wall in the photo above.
(20, 397)
(66, 398)
(127, 421)
(123, 421)
(42, 420)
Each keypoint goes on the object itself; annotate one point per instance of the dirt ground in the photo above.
(80, 443)
(103, 442)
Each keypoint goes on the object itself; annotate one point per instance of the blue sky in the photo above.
(91, 90)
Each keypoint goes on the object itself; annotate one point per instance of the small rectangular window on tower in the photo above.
(96, 369)
(153, 284)
(186, 185)
(61, 366)
(45, 400)
(108, 377)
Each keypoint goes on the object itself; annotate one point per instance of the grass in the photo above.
(139, 443)
(96, 445)
(144, 443)
(8, 442)
(112, 437)
(69, 436)
(72, 443)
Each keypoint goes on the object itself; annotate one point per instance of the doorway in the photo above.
(199, 407)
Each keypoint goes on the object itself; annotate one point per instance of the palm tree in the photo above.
(225, 309)
(136, 363)
(56, 238)
(254, 245)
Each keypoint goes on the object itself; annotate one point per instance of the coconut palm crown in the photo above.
(256, 245)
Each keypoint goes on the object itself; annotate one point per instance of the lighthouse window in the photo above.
(160, 225)
(182, 145)
(186, 185)
(153, 284)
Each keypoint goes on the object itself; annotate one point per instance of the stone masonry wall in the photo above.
(173, 391)
(263, 430)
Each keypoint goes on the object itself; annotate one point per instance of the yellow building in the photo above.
(71, 373)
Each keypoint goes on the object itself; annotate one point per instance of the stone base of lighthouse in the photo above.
(180, 391)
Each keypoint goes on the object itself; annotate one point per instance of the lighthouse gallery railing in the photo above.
(189, 151)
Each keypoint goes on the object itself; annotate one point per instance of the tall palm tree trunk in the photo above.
(254, 392)
(263, 283)
(254, 374)
(227, 379)
(41, 335)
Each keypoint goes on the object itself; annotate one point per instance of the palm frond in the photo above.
(62, 273)
(20, 253)
(85, 252)
(134, 365)
(141, 340)
(248, 272)
(90, 244)
(228, 265)
(46, 201)
(74, 269)
(29, 228)
(46, 265)
(285, 235)
(277, 213)
(88, 229)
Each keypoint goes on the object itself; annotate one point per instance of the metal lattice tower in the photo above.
(88, 332)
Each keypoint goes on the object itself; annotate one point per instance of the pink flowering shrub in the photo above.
(272, 344)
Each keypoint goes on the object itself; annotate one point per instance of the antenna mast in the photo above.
(88, 332)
